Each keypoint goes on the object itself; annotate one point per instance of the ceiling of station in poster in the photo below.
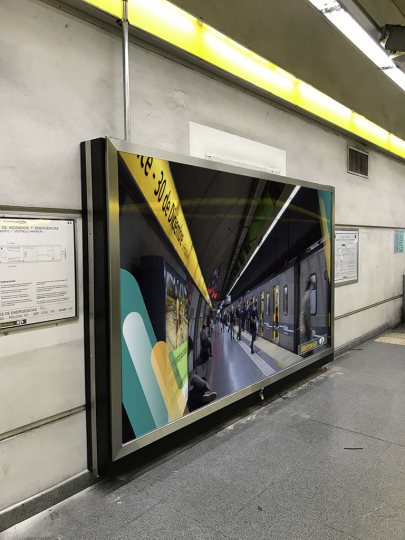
(227, 216)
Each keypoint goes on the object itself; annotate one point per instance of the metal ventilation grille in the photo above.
(357, 162)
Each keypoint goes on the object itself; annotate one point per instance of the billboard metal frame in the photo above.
(112, 436)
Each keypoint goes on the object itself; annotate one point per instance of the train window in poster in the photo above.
(276, 313)
(285, 299)
(186, 230)
(313, 294)
(261, 316)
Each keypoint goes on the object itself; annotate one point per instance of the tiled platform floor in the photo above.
(324, 461)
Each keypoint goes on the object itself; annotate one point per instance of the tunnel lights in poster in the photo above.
(273, 224)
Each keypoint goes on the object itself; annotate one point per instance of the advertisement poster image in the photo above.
(191, 333)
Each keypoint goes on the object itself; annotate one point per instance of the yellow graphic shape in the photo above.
(325, 235)
(173, 396)
(154, 178)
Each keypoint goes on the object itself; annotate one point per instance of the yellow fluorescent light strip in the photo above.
(173, 25)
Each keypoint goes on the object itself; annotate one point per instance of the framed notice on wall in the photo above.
(37, 271)
(399, 241)
(346, 256)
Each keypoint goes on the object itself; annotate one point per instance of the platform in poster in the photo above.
(37, 271)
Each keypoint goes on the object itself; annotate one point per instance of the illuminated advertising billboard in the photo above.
(220, 281)
(181, 222)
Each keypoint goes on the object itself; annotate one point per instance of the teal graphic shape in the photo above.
(326, 197)
(141, 394)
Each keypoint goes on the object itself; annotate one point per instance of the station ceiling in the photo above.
(298, 38)
(381, 12)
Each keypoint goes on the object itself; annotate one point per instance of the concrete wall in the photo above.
(60, 85)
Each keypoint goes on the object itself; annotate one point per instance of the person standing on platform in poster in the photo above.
(239, 310)
(205, 340)
(243, 316)
(232, 319)
(209, 325)
(222, 320)
(253, 323)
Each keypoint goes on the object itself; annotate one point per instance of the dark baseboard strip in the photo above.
(46, 499)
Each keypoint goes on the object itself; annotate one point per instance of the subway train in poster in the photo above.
(279, 303)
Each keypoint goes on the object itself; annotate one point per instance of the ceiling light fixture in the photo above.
(393, 39)
(346, 24)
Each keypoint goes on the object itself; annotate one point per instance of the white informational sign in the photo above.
(346, 256)
(37, 271)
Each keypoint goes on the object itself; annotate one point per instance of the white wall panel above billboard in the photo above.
(217, 145)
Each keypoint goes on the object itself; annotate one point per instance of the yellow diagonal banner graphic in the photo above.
(155, 180)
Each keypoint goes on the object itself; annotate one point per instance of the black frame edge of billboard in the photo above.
(86, 303)
(99, 430)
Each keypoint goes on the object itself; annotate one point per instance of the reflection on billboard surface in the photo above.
(225, 280)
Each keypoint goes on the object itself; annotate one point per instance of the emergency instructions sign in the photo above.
(37, 271)
(346, 256)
